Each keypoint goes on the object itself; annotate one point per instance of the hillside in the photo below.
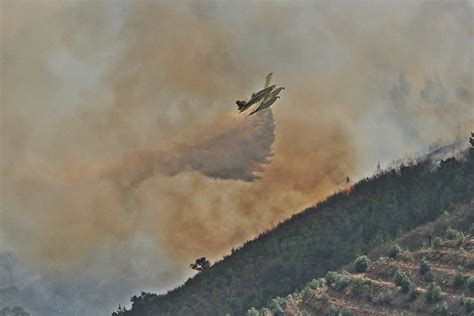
(322, 238)
(430, 281)
(369, 288)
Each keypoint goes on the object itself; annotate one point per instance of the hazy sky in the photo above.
(123, 157)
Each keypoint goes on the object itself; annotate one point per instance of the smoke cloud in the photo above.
(122, 152)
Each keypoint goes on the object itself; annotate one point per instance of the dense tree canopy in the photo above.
(319, 239)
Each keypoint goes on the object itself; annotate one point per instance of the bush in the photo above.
(254, 312)
(275, 307)
(413, 293)
(357, 286)
(368, 292)
(468, 305)
(317, 283)
(362, 264)
(424, 266)
(451, 233)
(341, 283)
(437, 242)
(306, 293)
(458, 279)
(455, 235)
(331, 277)
(403, 280)
(324, 298)
(428, 277)
(394, 251)
(384, 298)
(332, 311)
(433, 294)
(443, 308)
(470, 283)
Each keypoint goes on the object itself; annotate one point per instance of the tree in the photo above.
(201, 264)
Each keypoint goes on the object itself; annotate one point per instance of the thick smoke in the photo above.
(122, 154)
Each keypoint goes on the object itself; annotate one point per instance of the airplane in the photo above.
(265, 104)
(263, 98)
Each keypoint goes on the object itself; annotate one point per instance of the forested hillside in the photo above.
(441, 251)
(436, 280)
(321, 238)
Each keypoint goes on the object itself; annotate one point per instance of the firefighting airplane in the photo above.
(263, 98)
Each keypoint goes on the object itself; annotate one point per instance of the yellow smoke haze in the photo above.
(118, 118)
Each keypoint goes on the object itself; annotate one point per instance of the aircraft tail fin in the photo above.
(240, 103)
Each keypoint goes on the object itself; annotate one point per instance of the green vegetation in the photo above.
(317, 283)
(362, 263)
(443, 309)
(341, 283)
(455, 234)
(437, 242)
(433, 293)
(470, 283)
(413, 293)
(468, 305)
(332, 311)
(403, 280)
(319, 239)
(424, 266)
(458, 279)
(384, 298)
(394, 251)
(200, 264)
(275, 306)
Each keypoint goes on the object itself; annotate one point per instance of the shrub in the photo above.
(331, 277)
(413, 293)
(362, 263)
(469, 305)
(254, 312)
(317, 283)
(437, 242)
(470, 283)
(384, 298)
(471, 229)
(306, 293)
(451, 233)
(458, 279)
(433, 293)
(428, 277)
(403, 280)
(341, 283)
(357, 286)
(324, 298)
(455, 234)
(394, 251)
(275, 307)
(424, 266)
(368, 292)
(332, 311)
(442, 308)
